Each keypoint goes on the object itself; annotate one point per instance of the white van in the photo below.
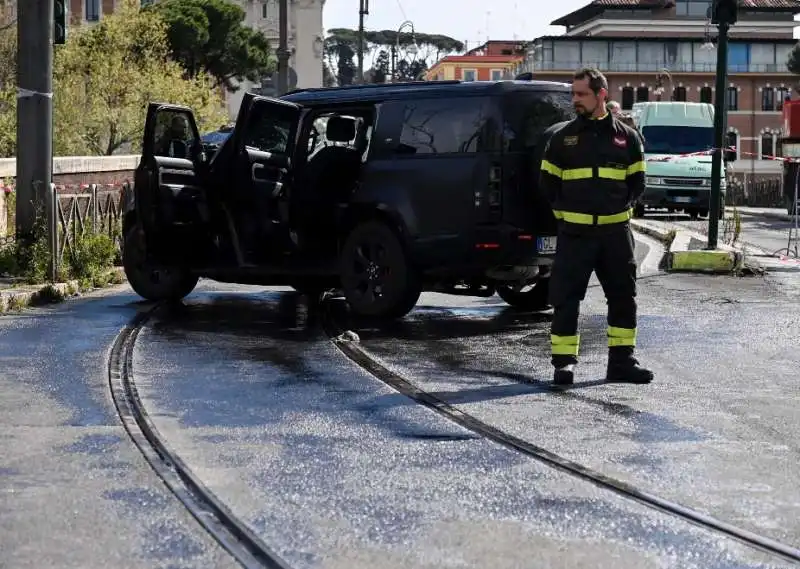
(677, 182)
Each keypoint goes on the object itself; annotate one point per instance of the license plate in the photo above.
(546, 245)
(684, 199)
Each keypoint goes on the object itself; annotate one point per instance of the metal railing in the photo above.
(654, 67)
(94, 211)
(761, 193)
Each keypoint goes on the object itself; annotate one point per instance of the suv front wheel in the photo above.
(531, 298)
(377, 277)
(147, 281)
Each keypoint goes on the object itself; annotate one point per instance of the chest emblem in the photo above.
(620, 141)
(570, 140)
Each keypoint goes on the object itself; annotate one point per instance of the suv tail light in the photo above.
(491, 202)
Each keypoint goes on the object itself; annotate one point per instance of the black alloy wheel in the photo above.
(377, 278)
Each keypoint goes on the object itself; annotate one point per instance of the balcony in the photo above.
(643, 67)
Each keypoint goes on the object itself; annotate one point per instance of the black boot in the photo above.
(627, 370)
(564, 376)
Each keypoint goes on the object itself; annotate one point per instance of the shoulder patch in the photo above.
(621, 141)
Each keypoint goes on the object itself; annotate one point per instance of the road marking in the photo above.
(650, 263)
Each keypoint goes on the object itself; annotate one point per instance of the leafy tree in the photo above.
(211, 36)
(8, 90)
(381, 67)
(107, 73)
(378, 47)
(793, 63)
(339, 53)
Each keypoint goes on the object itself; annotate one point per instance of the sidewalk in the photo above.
(770, 212)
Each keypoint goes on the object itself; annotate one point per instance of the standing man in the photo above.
(614, 108)
(592, 171)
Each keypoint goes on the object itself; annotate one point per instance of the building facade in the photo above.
(666, 50)
(492, 61)
(306, 42)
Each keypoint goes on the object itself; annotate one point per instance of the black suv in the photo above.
(380, 191)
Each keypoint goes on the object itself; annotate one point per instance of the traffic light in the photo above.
(59, 22)
(724, 12)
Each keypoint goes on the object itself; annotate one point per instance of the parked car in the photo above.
(211, 141)
(381, 191)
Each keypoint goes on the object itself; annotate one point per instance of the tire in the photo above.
(703, 213)
(156, 285)
(533, 300)
(374, 257)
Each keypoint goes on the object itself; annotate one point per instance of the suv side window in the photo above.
(527, 114)
(268, 130)
(446, 126)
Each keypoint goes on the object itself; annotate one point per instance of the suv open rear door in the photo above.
(169, 197)
(265, 138)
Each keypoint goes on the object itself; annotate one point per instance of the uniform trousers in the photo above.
(608, 251)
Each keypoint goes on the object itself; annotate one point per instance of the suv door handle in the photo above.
(256, 167)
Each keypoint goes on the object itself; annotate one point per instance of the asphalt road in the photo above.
(334, 469)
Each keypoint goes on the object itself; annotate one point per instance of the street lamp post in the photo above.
(396, 48)
(724, 14)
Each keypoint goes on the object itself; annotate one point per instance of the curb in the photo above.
(18, 298)
(682, 257)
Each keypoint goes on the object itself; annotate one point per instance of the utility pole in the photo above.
(723, 13)
(283, 47)
(34, 111)
(362, 11)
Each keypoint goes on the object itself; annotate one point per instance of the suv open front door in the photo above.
(170, 199)
(264, 141)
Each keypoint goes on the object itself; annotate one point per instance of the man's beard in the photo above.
(583, 111)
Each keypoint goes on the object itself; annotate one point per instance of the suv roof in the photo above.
(375, 91)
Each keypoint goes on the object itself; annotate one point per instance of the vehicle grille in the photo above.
(683, 181)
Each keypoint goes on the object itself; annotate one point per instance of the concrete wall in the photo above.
(74, 171)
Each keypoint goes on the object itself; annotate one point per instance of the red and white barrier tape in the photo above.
(710, 151)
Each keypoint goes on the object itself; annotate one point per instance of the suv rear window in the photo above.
(527, 114)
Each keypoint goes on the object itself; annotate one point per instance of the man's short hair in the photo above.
(596, 79)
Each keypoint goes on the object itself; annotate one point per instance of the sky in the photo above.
(463, 20)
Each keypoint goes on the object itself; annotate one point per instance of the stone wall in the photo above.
(71, 172)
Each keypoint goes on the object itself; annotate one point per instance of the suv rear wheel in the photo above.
(377, 277)
(148, 282)
(529, 298)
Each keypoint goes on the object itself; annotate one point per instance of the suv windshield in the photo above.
(527, 114)
(677, 139)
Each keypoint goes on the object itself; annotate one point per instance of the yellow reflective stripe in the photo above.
(636, 168)
(621, 336)
(621, 332)
(589, 219)
(564, 345)
(551, 168)
(576, 174)
(611, 173)
(616, 218)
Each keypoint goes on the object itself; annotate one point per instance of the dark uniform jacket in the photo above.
(592, 172)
